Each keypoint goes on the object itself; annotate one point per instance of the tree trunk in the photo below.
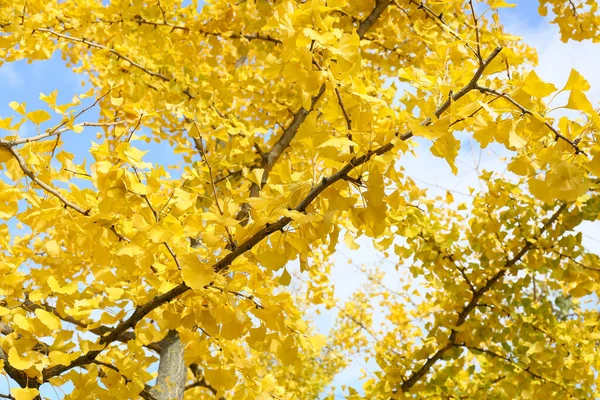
(170, 383)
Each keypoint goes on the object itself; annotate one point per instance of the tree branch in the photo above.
(466, 311)
(23, 165)
(527, 369)
(222, 265)
(170, 383)
(102, 47)
(299, 117)
(525, 110)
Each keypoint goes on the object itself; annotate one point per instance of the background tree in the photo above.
(288, 135)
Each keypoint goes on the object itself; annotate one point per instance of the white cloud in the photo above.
(10, 77)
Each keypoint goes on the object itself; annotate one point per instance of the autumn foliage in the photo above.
(124, 278)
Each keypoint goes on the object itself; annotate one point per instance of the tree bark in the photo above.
(170, 383)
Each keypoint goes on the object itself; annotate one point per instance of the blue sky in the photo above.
(23, 82)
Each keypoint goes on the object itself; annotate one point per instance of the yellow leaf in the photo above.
(340, 143)
(5, 122)
(183, 199)
(447, 147)
(52, 247)
(502, 4)
(318, 342)
(285, 278)
(268, 383)
(536, 87)
(38, 116)
(48, 319)
(565, 176)
(21, 362)
(69, 288)
(196, 274)
(18, 107)
(594, 165)
(134, 155)
(255, 176)
(24, 394)
(23, 323)
(432, 131)
(514, 140)
(579, 101)
(131, 250)
(58, 357)
(350, 243)
(300, 217)
(576, 82)
(522, 165)
(116, 101)
(114, 294)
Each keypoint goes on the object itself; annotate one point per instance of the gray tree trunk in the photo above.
(170, 383)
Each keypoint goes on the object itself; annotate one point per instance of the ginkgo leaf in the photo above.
(255, 176)
(48, 319)
(68, 289)
(579, 101)
(58, 357)
(38, 116)
(576, 82)
(196, 274)
(19, 361)
(340, 143)
(24, 394)
(502, 4)
(52, 247)
(131, 250)
(285, 278)
(447, 147)
(116, 101)
(594, 165)
(18, 107)
(565, 176)
(318, 342)
(536, 87)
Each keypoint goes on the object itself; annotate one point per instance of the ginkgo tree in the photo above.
(124, 278)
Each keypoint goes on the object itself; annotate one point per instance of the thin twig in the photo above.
(102, 47)
(56, 132)
(525, 110)
(464, 314)
(36, 180)
(475, 22)
(200, 148)
(346, 117)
